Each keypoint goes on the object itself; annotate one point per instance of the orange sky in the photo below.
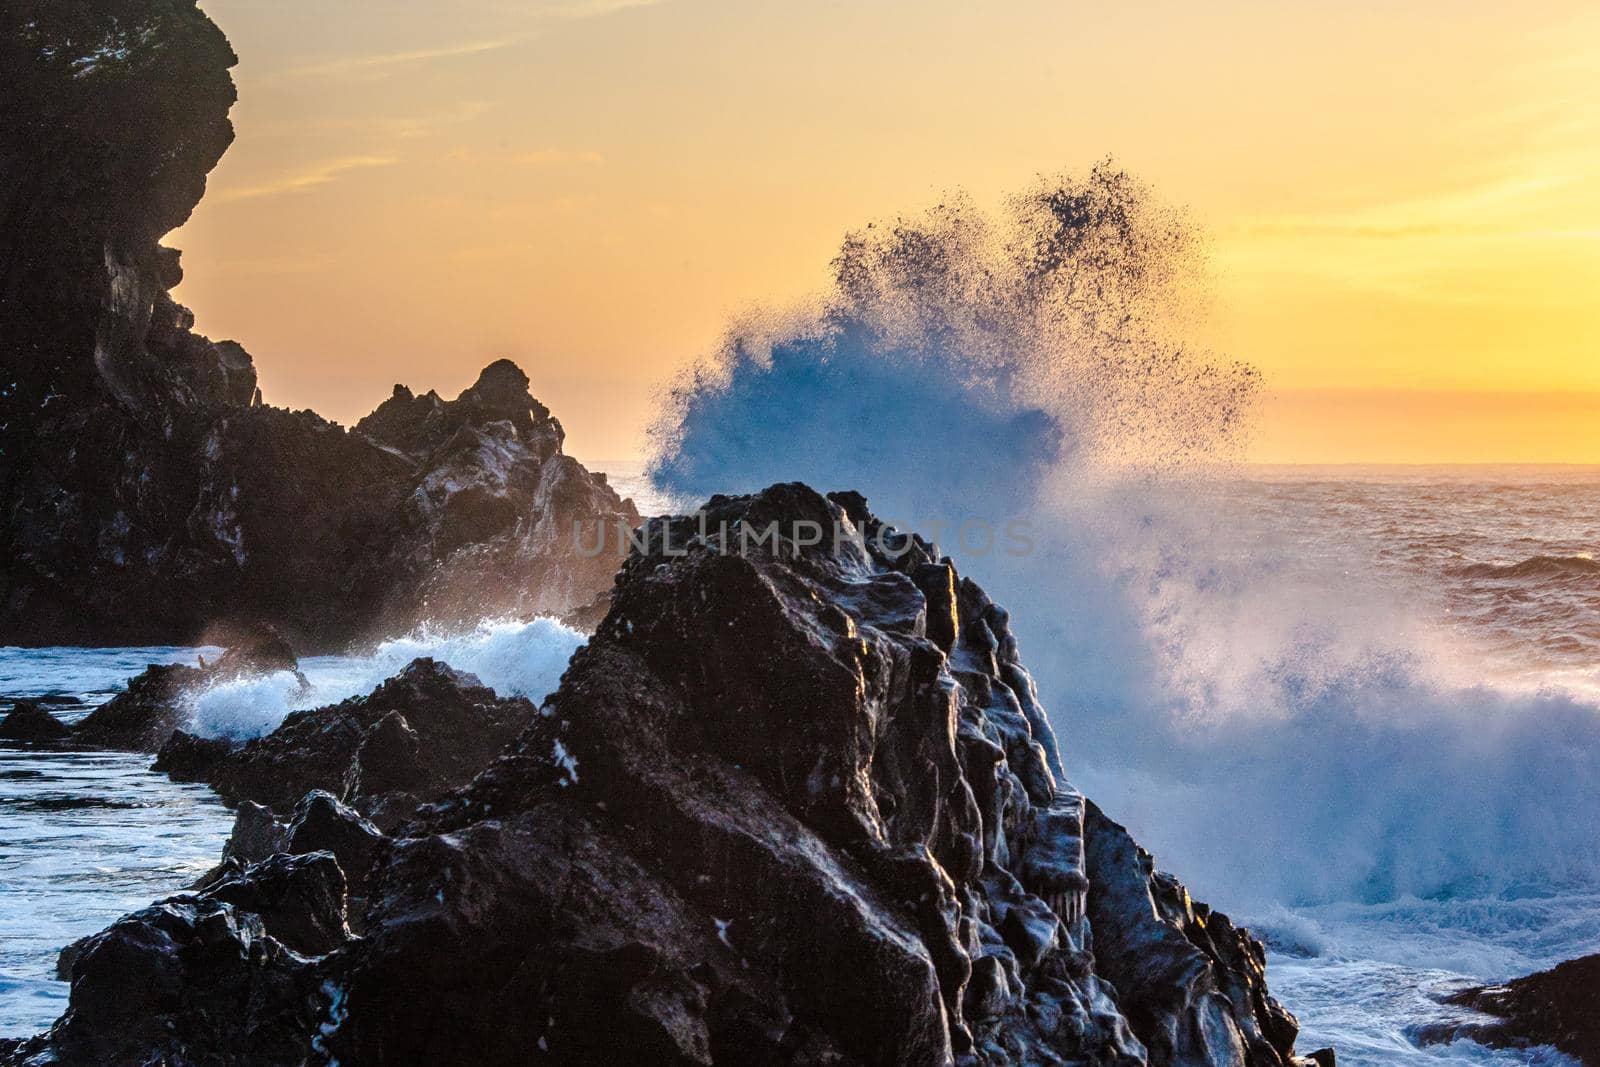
(1403, 199)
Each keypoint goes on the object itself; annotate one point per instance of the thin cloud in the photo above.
(588, 9)
(310, 178)
(539, 157)
(543, 157)
(396, 127)
(1492, 208)
(379, 65)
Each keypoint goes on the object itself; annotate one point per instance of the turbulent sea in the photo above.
(1359, 709)
(1479, 847)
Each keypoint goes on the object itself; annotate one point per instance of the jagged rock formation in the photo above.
(319, 824)
(149, 493)
(198, 973)
(1193, 985)
(425, 731)
(1559, 1007)
(796, 802)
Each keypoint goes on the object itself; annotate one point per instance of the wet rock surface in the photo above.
(151, 495)
(1193, 985)
(349, 749)
(1559, 1007)
(196, 974)
(795, 805)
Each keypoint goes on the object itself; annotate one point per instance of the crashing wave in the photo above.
(514, 658)
(1036, 366)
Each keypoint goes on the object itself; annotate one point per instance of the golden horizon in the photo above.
(1403, 213)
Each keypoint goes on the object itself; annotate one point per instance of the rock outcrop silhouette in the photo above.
(150, 493)
(1560, 1007)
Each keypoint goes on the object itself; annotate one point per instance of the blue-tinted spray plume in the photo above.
(1273, 718)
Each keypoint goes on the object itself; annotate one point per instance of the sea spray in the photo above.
(1276, 724)
(512, 657)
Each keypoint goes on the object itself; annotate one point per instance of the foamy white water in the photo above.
(514, 658)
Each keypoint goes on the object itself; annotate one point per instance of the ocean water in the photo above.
(1357, 708)
(86, 837)
(1496, 569)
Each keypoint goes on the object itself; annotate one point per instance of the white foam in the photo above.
(514, 658)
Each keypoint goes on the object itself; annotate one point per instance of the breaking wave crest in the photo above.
(1535, 567)
(513, 658)
(1277, 724)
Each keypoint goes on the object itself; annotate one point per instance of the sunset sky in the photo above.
(1403, 199)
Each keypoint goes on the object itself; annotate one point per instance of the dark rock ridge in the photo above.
(199, 973)
(27, 721)
(796, 805)
(1559, 1007)
(149, 492)
(420, 734)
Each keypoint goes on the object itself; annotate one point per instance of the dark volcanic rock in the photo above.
(67, 958)
(299, 898)
(459, 723)
(195, 974)
(27, 721)
(773, 815)
(323, 825)
(388, 760)
(792, 804)
(256, 834)
(1192, 984)
(1559, 1007)
(143, 716)
(187, 758)
(257, 649)
(150, 495)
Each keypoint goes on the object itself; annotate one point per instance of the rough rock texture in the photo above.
(792, 805)
(1193, 985)
(1559, 1007)
(322, 824)
(349, 749)
(188, 758)
(206, 978)
(27, 721)
(143, 716)
(149, 494)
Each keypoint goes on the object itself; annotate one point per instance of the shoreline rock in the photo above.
(1560, 1007)
(799, 805)
(425, 731)
(144, 716)
(27, 721)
